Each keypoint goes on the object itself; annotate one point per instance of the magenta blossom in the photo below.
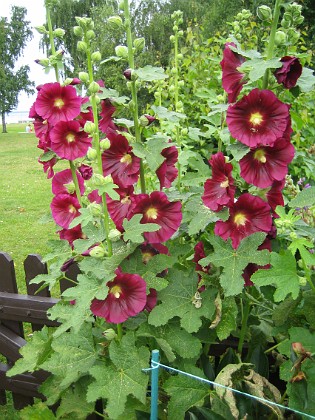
(62, 183)
(167, 171)
(288, 74)
(232, 79)
(64, 208)
(120, 210)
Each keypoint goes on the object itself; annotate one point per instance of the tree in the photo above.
(14, 35)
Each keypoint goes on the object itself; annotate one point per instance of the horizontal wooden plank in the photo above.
(25, 308)
(10, 343)
(24, 384)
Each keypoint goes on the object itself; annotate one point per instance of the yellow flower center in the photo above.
(116, 291)
(240, 219)
(260, 155)
(256, 118)
(59, 103)
(225, 184)
(127, 159)
(70, 138)
(146, 257)
(72, 209)
(125, 200)
(152, 213)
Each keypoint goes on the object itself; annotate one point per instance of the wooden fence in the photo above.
(16, 309)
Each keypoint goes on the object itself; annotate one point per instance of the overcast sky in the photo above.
(37, 16)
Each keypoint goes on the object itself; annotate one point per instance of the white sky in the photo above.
(37, 16)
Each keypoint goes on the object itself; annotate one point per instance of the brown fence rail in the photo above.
(16, 309)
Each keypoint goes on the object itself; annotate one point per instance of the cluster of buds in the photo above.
(240, 23)
(292, 18)
(85, 30)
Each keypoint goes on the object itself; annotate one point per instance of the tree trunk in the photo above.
(4, 125)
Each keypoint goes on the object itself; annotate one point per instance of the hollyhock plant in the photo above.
(69, 141)
(273, 195)
(156, 208)
(86, 171)
(120, 162)
(290, 71)
(120, 210)
(248, 215)
(259, 118)
(167, 172)
(106, 122)
(232, 79)
(48, 166)
(126, 298)
(219, 190)
(62, 183)
(56, 103)
(64, 208)
(252, 268)
(265, 164)
(72, 234)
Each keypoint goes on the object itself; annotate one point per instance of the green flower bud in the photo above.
(97, 252)
(181, 83)
(105, 144)
(157, 95)
(78, 31)
(91, 154)
(70, 187)
(97, 99)
(293, 36)
(172, 38)
(174, 70)
(180, 56)
(180, 33)
(94, 87)
(90, 34)
(82, 46)
(110, 334)
(280, 38)
(114, 235)
(59, 33)
(299, 20)
(95, 209)
(84, 77)
(115, 21)
(121, 5)
(175, 28)
(89, 127)
(121, 51)
(139, 44)
(96, 56)
(43, 62)
(41, 29)
(184, 131)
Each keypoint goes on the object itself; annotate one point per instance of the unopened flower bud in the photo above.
(175, 28)
(97, 252)
(109, 334)
(184, 131)
(70, 187)
(280, 38)
(41, 29)
(84, 77)
(43, 62)
(121, 5)
(139, 44)
(127, 74)
(96, 56)
(82, 46)
(172, 38)
(90, 34)
(91, 154)
(146, 120)
(114, 235)
(105, 144)
(121, 51)
(89, 127)
(180, 33)
(59, 33)
(115, 21)
(95, 209)
(264, 13)
(293, 36)
(94, 87)
(78, 31)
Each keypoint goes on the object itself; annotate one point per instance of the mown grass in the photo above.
(24, 199)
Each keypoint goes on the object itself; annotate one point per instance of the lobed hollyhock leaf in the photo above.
(121, 377)
(303, 245)
(86, 290)
(185, 392)
(304, 198)
(95, 234)
(282, 275)
(74, 355)
(259, 67)
(84, 218)
(150, 73)
(163, 113)
(37, 411)
(227, 323)
(177, 301)
(134, 229)
(306, 81)
(234, 261)
(238, 150)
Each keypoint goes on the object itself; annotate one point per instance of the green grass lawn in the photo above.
(24, 199)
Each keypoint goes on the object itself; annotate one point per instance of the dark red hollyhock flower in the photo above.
(75, 81)
(94, 197)
(167, 172)
(232, 78)
(42, 129)
(48, 166)
(290, 71)
(156, 208)
(68, 141)
(248, 215)
(120, 162)
(120, 210)
(259, 118)
(126, 297)
(252, 268)
(151, 300)
(62, 183)
(219, 190)
(86, 113)
(150, 118)
(57, 103)
(86, 171)
(273, 196)
(106, 122)
(64, 208)
(265, 164)
(198, 255)
(149, 250)
(72, 234)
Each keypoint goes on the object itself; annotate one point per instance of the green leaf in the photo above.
(38, 411)
(94, 233)
(47, 156)
(302, 245)
(122, 377)
(150, 73)
(134, 229)
(199, 216)
(164, 114)
(177, 301)
(305, 198)
(59, 248)
(234, 261)
(109, 188)
(74, 354)
(34, 353)
(282, 274)
(227, 323)
(238, 150)
(185, 393)
(83, 219)
(259, 67)
(306, 81)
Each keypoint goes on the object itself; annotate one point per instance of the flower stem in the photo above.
(76, 183)
(51, 40)
(271, 44)
(245, 316)
(275, 346)
(133, 88)
(119, 332)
